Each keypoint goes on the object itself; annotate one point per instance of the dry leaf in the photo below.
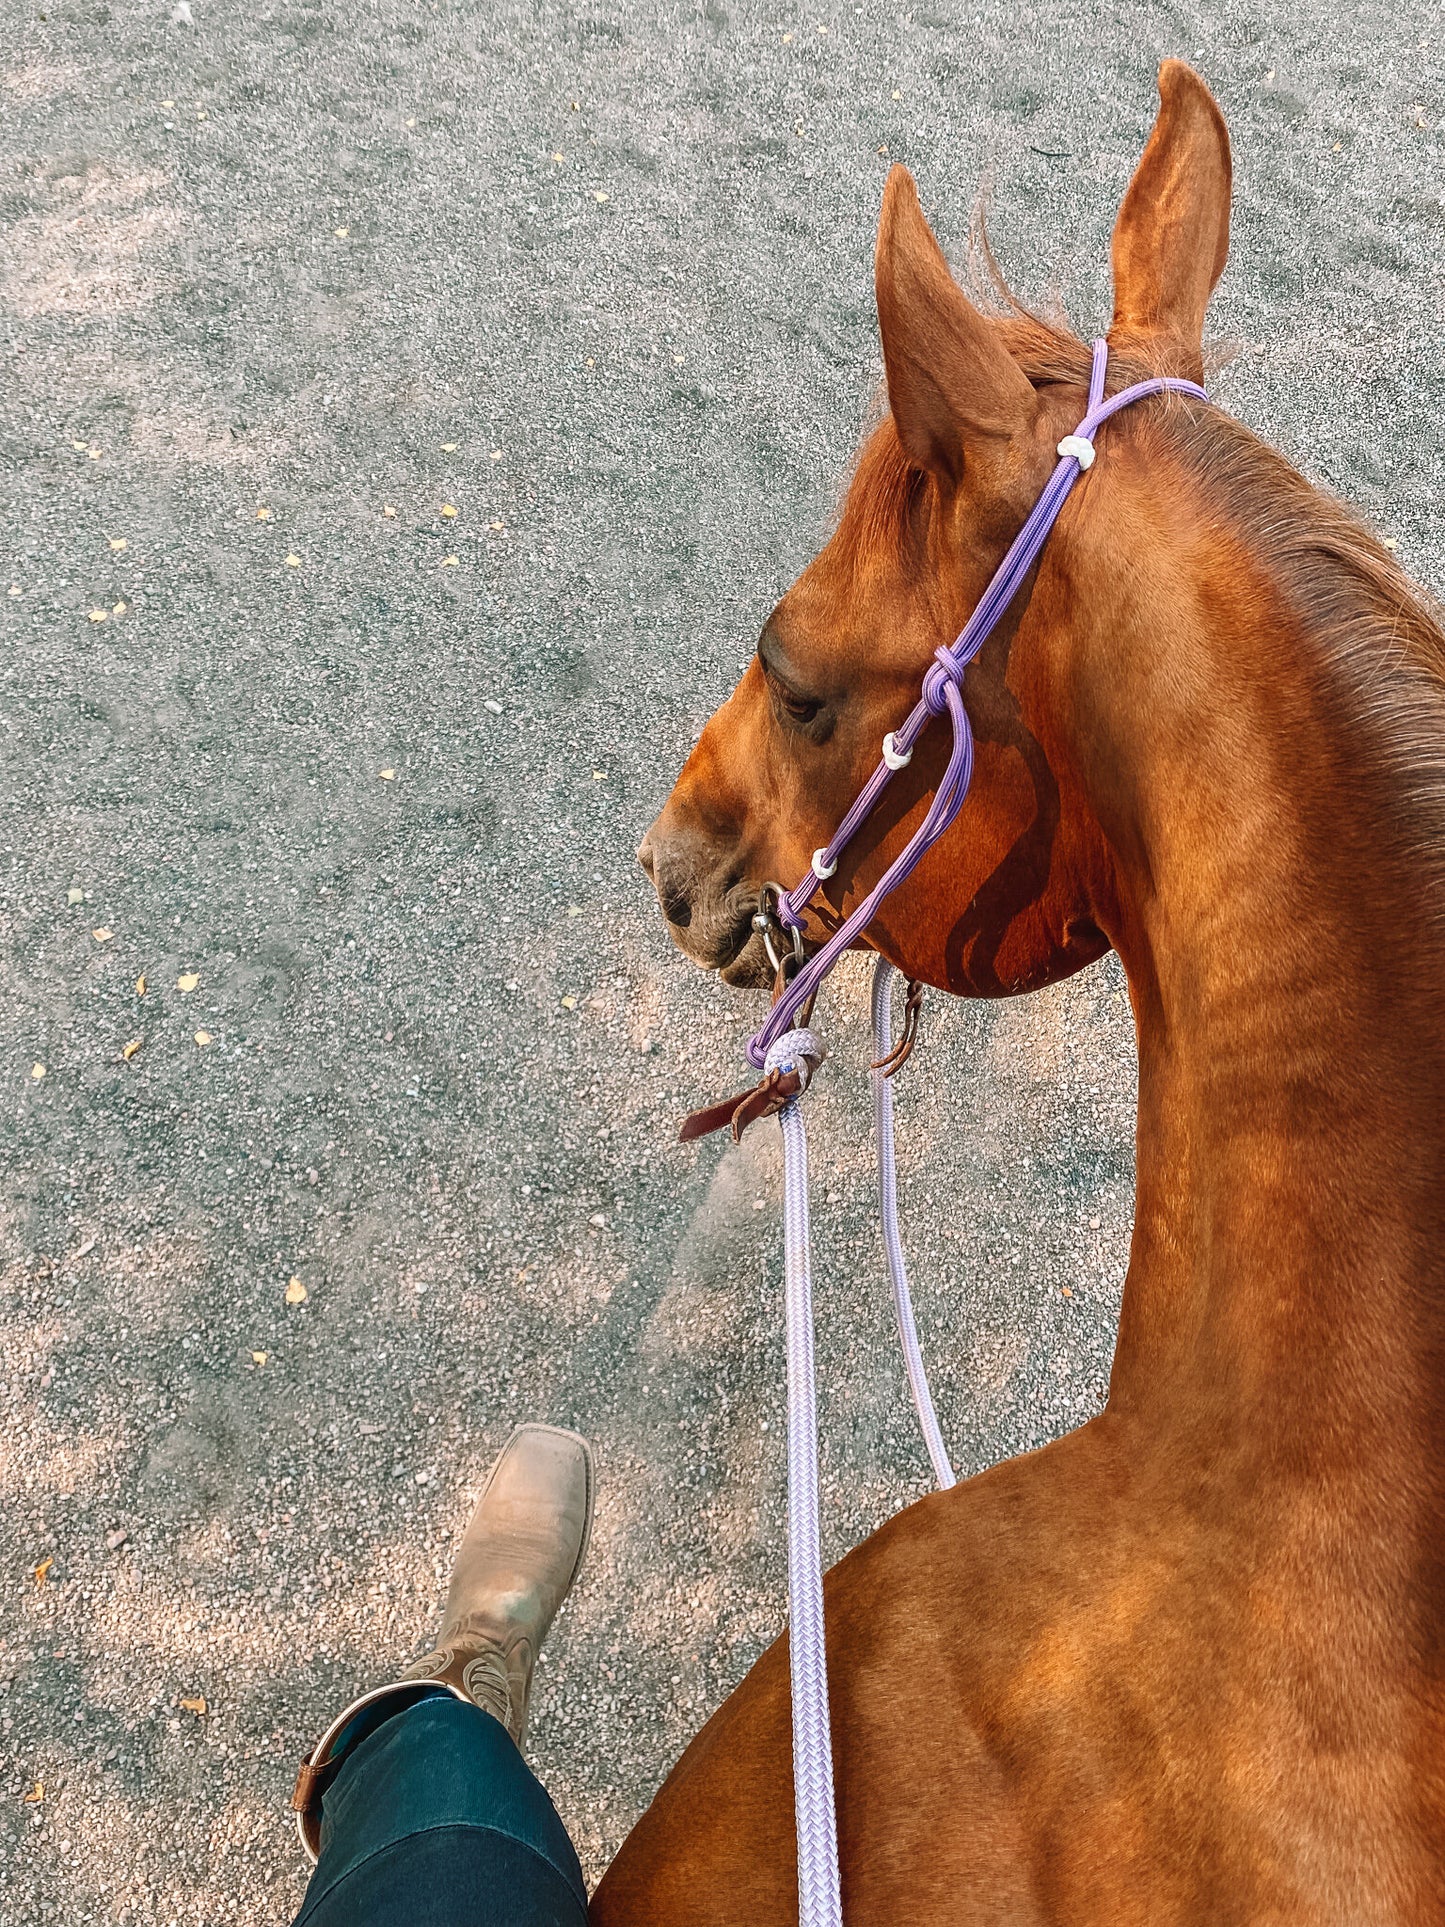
(448, 511)
(341, 232)
(569, 1003)
(37, 1071)
(574, 909)
(74, 896)
(188, 982)
(196, 1706)
(263, 515)
(450, 561)
(559, 157)
(496, 454)
(258, 1358)
(15, 589)
(79, 447)
(387, 775)
(101, 934)
(499, 524)
(203, 1037)
(388, 511)
(118, 609)
(36, 1794)
(131, 1048)
(100, 615)
(293, 562)
(140, 986)
(449, 448)
(598, 195)
(296, 1293)
(118, 542)
(42, 1571)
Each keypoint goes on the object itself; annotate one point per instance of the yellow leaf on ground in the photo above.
(131, 1048)
(79, 447)
(42, 1571)
(599, 196)
(341, 232)
(259, 1358)
(293, 562)
(74, 896)
(388, 511)
(188, 982)
(449, 448)
(100, 615)
(101, 934)
(387, 775)
(296, 1293)
(196, 1706)
(118, 542)
(263, 515)
(36, 1794)
(203, 1037)
(496, 454)
(569, 1003)
(140, 986)
(450, 561)
(448, 511)
(118, 609)
(37, 1071)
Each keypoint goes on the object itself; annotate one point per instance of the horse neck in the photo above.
(1285, 1298)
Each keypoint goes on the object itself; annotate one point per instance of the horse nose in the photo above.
(646, 855)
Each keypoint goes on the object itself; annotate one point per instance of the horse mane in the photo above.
(1379, 636)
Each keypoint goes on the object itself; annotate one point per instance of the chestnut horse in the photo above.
(1184, 1664)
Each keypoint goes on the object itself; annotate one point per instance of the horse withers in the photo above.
(1184, 1664)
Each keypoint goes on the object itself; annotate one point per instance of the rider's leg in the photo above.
(417, 1798)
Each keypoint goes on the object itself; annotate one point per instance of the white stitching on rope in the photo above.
(893, 756)
(821, 869)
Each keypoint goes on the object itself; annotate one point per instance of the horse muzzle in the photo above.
(709, 909)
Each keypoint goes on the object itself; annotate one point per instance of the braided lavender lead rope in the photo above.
(820, 1901)
(892, 1244)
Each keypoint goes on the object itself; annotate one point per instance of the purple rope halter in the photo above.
(943, 691)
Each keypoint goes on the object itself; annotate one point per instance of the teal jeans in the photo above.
(433, 1820)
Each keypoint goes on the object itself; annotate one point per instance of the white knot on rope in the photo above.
(893, 756)
(822, 869)
(1080, 448)
(797, 1050)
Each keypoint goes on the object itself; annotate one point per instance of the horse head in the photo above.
(1018, 892)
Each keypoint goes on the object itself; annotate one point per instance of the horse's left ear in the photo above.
(1172, 235)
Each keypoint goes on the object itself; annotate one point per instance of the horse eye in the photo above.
(799, 709)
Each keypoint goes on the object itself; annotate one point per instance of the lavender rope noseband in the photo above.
(781, 1046)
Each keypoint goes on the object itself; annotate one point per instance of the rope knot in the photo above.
(797, 1050)
(945, 669)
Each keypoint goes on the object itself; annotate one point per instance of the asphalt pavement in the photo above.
(409, 414)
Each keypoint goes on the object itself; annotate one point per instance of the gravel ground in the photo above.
(354, 783)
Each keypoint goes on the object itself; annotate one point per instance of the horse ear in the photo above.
(952, 386)
(1172, 235)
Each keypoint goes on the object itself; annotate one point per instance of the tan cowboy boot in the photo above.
(514, 1567)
